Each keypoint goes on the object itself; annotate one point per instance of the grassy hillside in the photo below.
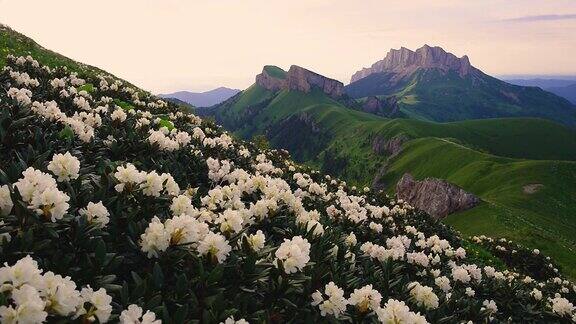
(275, 71)
(256, 110)
(492, 158)
(446, 96)
(529, 138)
(14, 43)
(545, 219)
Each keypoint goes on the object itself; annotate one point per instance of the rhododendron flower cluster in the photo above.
(294, 254)
(41, 193)
(64, 166)
(34, 296)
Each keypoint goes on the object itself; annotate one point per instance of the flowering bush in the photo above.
(116, 206)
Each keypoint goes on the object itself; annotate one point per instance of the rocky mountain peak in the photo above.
(298, 78)
(404, 61)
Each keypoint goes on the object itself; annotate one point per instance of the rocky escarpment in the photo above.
(437, 197)
(387, 107)
(299, 79)
(404, 62)
(393, 146)
(304, 80)
(271, 81)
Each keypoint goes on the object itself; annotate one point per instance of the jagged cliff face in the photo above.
(405, 62)
(299, 79)
(271, 82)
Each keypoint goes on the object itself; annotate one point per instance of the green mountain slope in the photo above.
(492, 158)
(544, 218)
(528, 138)
(446, 96)
(17, 44)
(432, 84)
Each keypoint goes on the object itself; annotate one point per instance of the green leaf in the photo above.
(158, 276)
(216, 274)
(181, 314)
(100, 252)
(66, 133)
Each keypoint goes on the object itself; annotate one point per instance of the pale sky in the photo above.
(168, 45)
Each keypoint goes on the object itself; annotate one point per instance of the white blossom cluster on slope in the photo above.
(304, 245)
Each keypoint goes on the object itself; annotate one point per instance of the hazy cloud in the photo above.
(542, 18)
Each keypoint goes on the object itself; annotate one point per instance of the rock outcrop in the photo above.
(391, 146)
(437, 197)
(404, 62)
(273, 83)
(304, 80)
(387, 107)
(300, 79)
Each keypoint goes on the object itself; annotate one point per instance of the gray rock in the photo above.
(301, 79)
(404, 62)
(437, 197)
(269, 82)
(391, 146)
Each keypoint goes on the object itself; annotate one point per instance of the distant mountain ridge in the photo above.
(565, 88)
(203, 99)
(432, 84)
(568, 92)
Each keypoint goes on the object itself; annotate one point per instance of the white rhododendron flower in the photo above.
(230, 221)
(33, 183)
(423, 295)
(133, 315)
(365, 299)
(216, 245)
(537, 294)
(34, 295)
(562, 306)
(186, 230)
(155, 239)
(461, 274)
(396, 312)
(181, 205)
(316, 225)
(231, 320)
(64, 166)
(128, 176)
(376, 227)
(351, 240)
(22, 96)
(51, 203)
(24, 271)
(334, 304)
(61, 294)
(490, 306)
(118, 115)
(443, 283)
(257, 240)
(39, 190)
(294, 254)
(100, 304)
(57, 83)
(96, 213)
(29, 307)
(6, 203)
